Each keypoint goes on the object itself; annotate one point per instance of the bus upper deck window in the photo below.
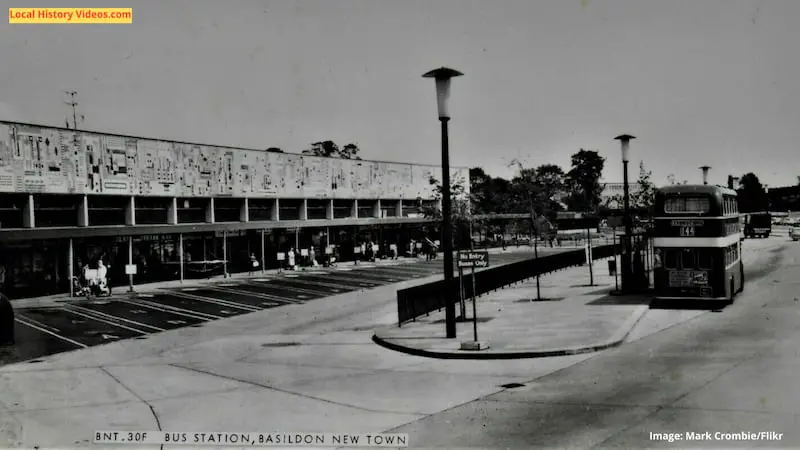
(676, 205)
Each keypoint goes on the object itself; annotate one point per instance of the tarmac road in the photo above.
(81, 324)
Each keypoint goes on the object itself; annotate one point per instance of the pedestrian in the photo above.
(2, 278)
(291, 256)
(254, 264)
(312, 256)
(6, 321)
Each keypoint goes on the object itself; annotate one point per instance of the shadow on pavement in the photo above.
(468, 319)
(535, 300)
(621, 300)
(697, 305)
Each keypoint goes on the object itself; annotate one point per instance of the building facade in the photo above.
(784, 199)
(174, 210)
(612, 194)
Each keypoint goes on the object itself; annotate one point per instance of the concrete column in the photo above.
(224, 254)
(130, 212)
(329, 210)
(130, 258)
(244, 213)
(83, 212)
(180, 253)
(399, 208)
(377, 209)
(263, 256)
(71, 267)
(172, 213)
(210, 210)
(28, 214)
(354, 210)
(304, 209)
(276, 210)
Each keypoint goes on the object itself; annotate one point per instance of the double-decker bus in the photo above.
(697, 243)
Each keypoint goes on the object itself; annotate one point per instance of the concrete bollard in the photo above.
(6, 321)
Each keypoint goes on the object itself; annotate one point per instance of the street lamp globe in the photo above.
(625, 139)
(442, 75)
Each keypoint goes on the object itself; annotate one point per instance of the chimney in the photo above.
(705, 173)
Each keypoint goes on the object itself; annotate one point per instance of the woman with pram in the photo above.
(92, 281)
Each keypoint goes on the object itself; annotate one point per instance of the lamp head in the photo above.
(442, 75)
(705, 170)
(625, 139)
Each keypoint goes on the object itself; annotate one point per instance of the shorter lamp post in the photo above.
(627, 239)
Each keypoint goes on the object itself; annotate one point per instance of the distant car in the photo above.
(794, 233)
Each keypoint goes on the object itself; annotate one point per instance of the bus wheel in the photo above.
(732, 291)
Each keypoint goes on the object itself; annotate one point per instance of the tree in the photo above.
(752, 197)
(329, 149)
(538, 190)
(673, 181)
(460, 214)
(488, 194)
(349, 151)
(644, 195)
(274, 150)
(583, 181)
(459, 202)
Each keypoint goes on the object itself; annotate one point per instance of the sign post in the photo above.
(473, 259)
(130, 263)
(462, 302)
(616, 283)
(615, 222)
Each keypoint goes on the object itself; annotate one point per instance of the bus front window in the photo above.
(704, 260)
(687, 259)
(671, 259)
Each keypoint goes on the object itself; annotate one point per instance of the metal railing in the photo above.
(422, 300)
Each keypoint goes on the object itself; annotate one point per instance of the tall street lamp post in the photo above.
(627, 242)
(442, 76)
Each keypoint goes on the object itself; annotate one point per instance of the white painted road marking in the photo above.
(43, 330)
(91, 312)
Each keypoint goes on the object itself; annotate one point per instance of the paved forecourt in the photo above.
(70, 324)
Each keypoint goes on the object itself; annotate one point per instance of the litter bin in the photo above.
(612, 267)
(6, 321)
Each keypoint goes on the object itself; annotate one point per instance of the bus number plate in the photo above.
(687, 231)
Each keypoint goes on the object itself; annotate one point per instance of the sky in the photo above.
(698, 82)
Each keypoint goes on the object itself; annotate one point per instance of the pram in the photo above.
(92, 287)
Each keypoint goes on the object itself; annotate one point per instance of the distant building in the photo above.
(784, 199)
(612, 193)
